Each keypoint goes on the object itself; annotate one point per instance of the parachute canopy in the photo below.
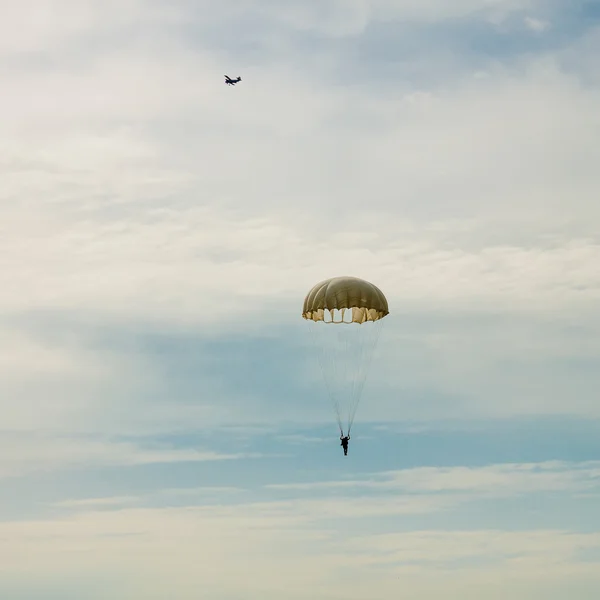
(365, 301)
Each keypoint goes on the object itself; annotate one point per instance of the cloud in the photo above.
(504, 479)
(96, 503)
(300, 439)
(30, 454)
(536, 25)
(194, 547)
(437, 11)
(537, 549)
(57, 24)
(338, 18)
(120, 249)
(491, 480)
(158, 231)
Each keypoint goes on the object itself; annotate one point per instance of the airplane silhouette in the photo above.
(230, 81)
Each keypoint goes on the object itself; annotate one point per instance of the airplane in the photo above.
(230, 81)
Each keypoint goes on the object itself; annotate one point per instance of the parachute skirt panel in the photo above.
(344, 353)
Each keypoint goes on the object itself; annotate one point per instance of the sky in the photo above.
(165, 431)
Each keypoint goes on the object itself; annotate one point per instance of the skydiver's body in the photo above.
(345, 439)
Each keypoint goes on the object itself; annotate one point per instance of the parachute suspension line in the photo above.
(354, 397)
(345, 351)
(366, 357)
(321, 357)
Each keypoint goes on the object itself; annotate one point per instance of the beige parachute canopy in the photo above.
(365, 300)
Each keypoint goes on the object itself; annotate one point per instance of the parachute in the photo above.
(345, 316)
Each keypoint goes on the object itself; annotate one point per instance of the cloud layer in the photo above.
(164, 427)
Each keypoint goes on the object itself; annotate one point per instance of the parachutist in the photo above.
(345, 439)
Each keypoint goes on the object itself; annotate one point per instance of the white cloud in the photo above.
(416, 546)
(91, 503)
(200, 546)
(441, 159)
(497, 480)
(30, 454)
(200, 492)
(64, 380)
(28, 30)
(351, 17)
(25, 355)
(137, 186)
(537, 25)
(440, 11)
(491, 481)
(54, 24)
(206, 228)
